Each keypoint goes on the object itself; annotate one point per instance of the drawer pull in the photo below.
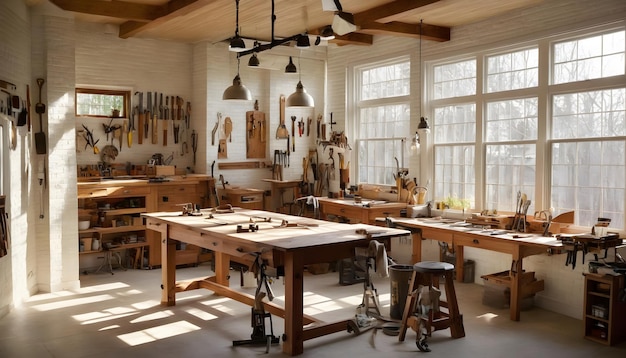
(214, 243)
(126, 191)
(342, 210)
(475, 241)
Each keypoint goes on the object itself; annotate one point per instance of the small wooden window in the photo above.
(102, 103)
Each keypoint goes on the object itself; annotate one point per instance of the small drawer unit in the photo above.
(246, 198)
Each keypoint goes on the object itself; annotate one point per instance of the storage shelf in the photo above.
(118, 229)
(613, 326)
(126, 211)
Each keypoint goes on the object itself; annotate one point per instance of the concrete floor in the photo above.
(120, 315)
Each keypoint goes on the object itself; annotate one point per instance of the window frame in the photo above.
(358, 105)
(124, 111)
(544, 91)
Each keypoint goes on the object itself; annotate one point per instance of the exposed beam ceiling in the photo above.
(214, 20)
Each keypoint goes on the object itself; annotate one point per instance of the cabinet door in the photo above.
(171, 197)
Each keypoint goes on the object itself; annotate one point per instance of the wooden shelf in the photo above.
(118, 229)
(612, 329)
(126, 211)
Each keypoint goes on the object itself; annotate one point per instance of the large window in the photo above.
(383, 112)
(497, 112)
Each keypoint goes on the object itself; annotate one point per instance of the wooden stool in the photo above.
(427, 273)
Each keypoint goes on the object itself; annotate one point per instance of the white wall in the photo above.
(563, 286)
(16, 269)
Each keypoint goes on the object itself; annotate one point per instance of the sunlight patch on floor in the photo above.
(487, 316)
(104, 287)
(146, 304)
(155, 333)
(120, 310)
(108, 328)
(153, 316)
(130, 293)
(310, 298)
(205, 316)
(72, 302)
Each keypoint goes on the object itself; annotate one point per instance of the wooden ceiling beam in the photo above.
(390, 9)
(429, 32)
(172, 9)
(354, 38)
(117, 9)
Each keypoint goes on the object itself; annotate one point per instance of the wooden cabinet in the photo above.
(604, 311)
(114, 209)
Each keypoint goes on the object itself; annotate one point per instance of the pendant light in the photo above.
(291, 68)
(236, 43)
(423, 126)
(300, 98)
(237, 91)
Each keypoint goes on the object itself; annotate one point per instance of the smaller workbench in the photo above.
(280, 187)
(364, 212)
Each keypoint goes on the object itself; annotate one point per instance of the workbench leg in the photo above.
(417, 247)
(293, 343)
(516, 291)
(222, 267)
(460, 263)
(168, 271)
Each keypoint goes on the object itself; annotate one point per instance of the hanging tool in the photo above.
(293, 133)
(219, 116)
(319, 125)
(194, 144)
(141, 115)
(308, 126)
(288, 151)
(40, 108)
(228, 128)
(147, 117)
(131, 127)
(281, 131)
(187, 114)
(301, 127)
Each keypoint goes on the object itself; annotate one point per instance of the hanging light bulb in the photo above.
(415, 144)
(291, 68)
(237, 91)
(300, 98)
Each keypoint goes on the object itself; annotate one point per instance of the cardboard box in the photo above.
(165, 170)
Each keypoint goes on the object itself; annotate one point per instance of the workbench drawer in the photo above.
(177, 190)
(350, 212)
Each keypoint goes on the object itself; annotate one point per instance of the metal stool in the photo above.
(425, 320)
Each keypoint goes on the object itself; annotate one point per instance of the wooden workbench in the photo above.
(293, 247)
(365, 212)
(458, 237)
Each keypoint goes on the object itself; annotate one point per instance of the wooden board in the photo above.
(256, 134)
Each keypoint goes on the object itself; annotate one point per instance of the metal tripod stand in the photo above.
(259, 334)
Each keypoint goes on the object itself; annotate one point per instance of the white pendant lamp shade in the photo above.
(300, 98)
(237, 91)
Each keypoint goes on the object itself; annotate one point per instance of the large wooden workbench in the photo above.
(291, 247)
(459, 237)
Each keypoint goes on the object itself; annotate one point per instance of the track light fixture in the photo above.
(303, 41)
(236, 43)
(327, 33)
(254, 61)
